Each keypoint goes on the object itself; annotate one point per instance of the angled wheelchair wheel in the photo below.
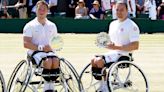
(88, 81)
(20, 77)
(2, 83)
(125, 76)
(68, 79)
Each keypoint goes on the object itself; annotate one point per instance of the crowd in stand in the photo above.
(94, 9)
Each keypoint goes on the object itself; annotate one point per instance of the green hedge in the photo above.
(69, 25)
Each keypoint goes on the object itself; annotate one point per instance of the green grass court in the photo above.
(80, 48)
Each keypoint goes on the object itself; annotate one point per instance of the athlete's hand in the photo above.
(47, 48)
(112, 46)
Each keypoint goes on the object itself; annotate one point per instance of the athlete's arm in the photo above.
(27, 41)
(29, 45)
(129, 47)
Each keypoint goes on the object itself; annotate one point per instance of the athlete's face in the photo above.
(121, 11)
(42, 10)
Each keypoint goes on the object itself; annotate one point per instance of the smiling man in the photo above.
(37, 35)
(124, 35)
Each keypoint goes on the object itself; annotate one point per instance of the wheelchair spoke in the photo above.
(88, 81)
(68, 79)
(2, 83)
(19, 78)
(127, 79)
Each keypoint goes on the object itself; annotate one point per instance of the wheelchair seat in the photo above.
(31, 58)
(121, 58)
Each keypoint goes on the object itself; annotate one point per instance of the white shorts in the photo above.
(113, 56)
(40, 55)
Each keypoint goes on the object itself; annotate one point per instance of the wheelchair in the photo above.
(121, 76)
(28, 77)
(2, 83)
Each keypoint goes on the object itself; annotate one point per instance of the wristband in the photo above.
(40, 47)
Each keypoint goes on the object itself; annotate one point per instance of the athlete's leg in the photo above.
(55, 68)
(97, 66)
(98, 63)
(47, 64)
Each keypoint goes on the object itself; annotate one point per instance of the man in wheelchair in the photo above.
(37, 35)
(124, 35)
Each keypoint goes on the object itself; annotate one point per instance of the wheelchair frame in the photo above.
(111, 69)
(32, 71)
(2, 83)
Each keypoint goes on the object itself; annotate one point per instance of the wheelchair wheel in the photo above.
(69, 78)
(125, 76)
(2, 83)
(20, 77)
(88, 81)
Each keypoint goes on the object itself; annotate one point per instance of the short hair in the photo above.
(42, 2)
(122, 2)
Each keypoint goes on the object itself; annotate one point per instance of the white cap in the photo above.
(96, 2)
(81, 0)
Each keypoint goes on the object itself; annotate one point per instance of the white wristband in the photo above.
(40, 47)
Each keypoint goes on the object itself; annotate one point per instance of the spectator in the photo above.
(158, 2)
(29, 7)
(132, 8)
(96, 12)
(4, 14)
(140, 6)
(71, 5)
(3, 11)
(160, 11)
(106, 5)
(81, 12)
(89, 3)
(21, 5)
(113, 6)
(34, 6)
(53, 6)
(150, 5)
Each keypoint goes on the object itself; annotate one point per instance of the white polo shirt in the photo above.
(122, 33)
(41, 34)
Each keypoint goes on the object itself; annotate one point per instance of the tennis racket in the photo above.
(57, 43)
(102, 39)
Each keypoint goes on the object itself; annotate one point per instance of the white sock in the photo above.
(51, 85)
(48, 86)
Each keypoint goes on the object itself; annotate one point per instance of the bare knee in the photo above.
(93, 62)
(55, 63)
(97, 62)
(47, 63)
(100, 63)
